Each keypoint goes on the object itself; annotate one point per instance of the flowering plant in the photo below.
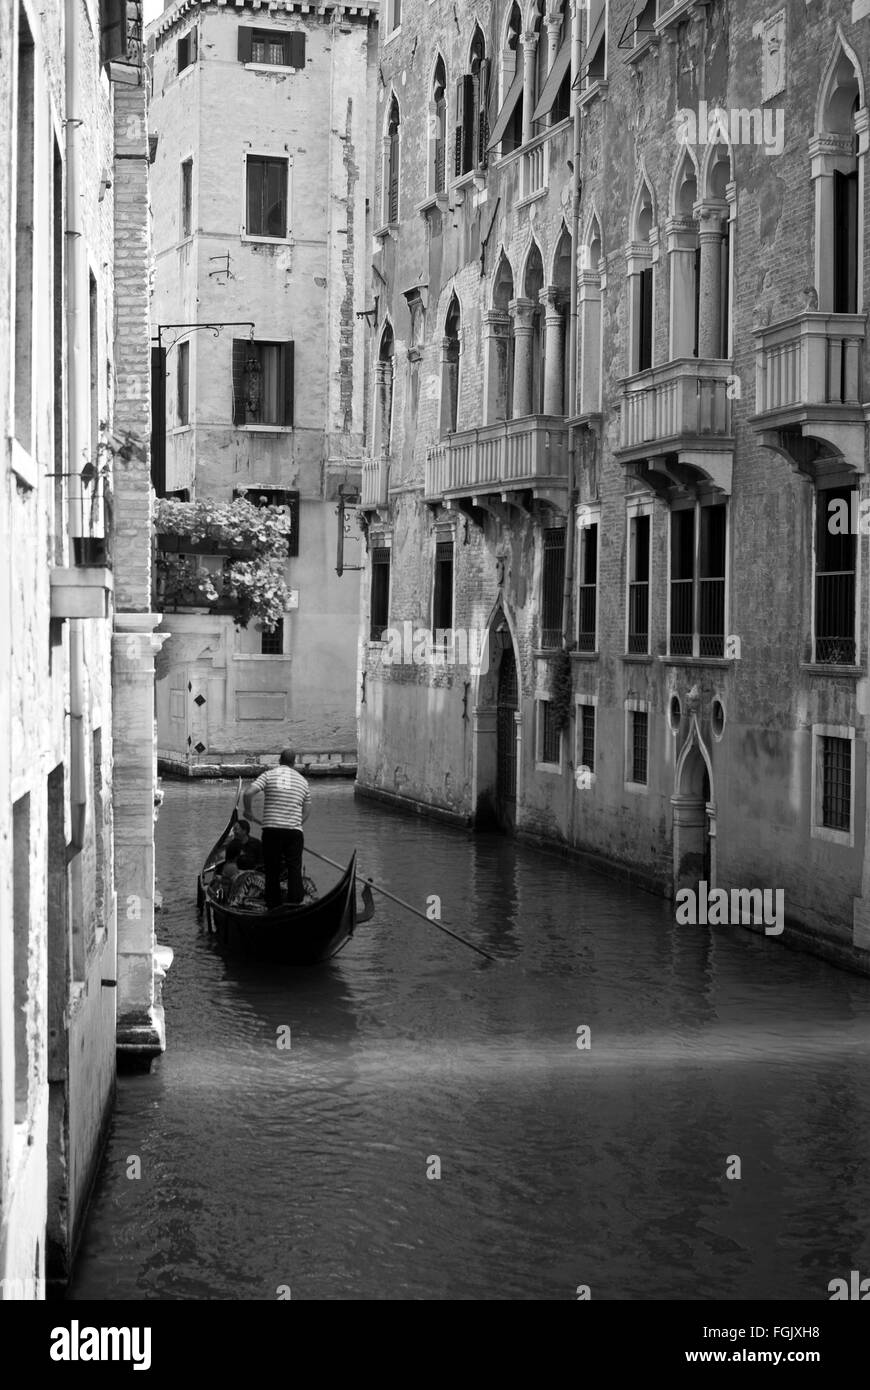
(252, 582)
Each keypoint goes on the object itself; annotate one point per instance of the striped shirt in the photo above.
(285, 794)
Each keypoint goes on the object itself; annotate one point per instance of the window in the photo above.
(21, 949)
(586, 736)
(272, 643)
(380, 595)
(836, 159)
(508, 129)
(439, 128)
(391, 165)
(442, 597)
(277, 497)
(263, 383)
(638, 585)
(554, 85)
(24, 269)
(450, 368)
(187, 198)
(94, 353)
(587, 589)
(472, 124)
(835, 581)
(639, 745)
(836, 783)
(384, 369)
(552, 586)
(549, 736)
(59, 359)
(594, 67)
(274, 47)
(187, 50)
(394, 15)
(266, 196)
(183, 384)
(640, 270)
(698, 549)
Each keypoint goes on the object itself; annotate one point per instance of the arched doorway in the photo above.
(694, 822)
(507, 706)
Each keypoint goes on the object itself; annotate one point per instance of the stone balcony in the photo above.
(676, 425)
(809, 389)
(502, 461)
(375, 484)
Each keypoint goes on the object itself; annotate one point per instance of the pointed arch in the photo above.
(384, 377)
(683, 773)
(499, 342)
(532, 275)
(502, 282)
(643, 215)
(838, 152)
(843, 66)
(391, 151)
(716, 171)
(438, 126)
(685, 184)
(451, 352)
(560, 264)
(642, 225)
(589, 315)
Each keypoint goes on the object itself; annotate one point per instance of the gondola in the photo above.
(314, 931)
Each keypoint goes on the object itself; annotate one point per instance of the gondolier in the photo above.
(287, 802)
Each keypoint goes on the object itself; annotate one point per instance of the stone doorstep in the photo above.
(326, 764)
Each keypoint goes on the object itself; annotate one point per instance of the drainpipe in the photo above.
(78, 402)
(570, 540)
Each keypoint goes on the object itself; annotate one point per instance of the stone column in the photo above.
(711, 239)
(589, 313)
(554, 352)
(530, 43)
(521, 311)
(498, 365)
(682, 235)
(141, 963)
(383, 406)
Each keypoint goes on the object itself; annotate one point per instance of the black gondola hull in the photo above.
(287, 935)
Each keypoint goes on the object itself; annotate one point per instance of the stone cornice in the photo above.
(265, 10)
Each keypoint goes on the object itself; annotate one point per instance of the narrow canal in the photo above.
(306, 1167)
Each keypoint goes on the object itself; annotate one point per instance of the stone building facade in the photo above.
(261, 185)
(612, 424)
(79, 976)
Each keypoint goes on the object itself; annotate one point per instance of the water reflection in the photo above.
(306, 1166)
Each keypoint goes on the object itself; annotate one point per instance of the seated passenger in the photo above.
(251, 848)
(231, 866)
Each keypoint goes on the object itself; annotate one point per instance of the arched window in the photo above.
(835, 168)
(684, 257)
(384, 392)
(714, 269)
(508, 129)
(438, 128)
(500, 345)
(533, 283)
(450, 354)
(640, 273)
(589, 313)
(557, 392)
(472, 98)
(391, 164)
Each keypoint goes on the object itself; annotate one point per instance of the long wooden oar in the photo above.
(409, 906)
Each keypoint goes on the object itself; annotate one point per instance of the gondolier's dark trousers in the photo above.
(282, 847)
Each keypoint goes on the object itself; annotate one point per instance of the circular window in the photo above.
(675, 712)
(717, 714)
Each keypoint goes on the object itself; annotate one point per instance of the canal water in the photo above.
(311, 1169)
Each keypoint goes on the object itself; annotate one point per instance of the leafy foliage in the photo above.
(562, 689)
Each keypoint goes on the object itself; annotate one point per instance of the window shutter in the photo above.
(240, 349)
(460, 126)
(245, 38)
(297, 50)
(292, 501)
(194, 44)
(468, 122)
(481, 156)
(289, 383)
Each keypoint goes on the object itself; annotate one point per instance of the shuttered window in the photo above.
(186, 50)
(273, 46)
(266, 196)
(552, 586)
(263, 383)
(380, 596)
(442, 602)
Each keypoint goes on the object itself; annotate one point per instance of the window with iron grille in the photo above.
(586, 717)
(275, 47)
(276, 497)
(272, 643)
(266, 182)
(587, 589)
(638, 585)
(183, 383)
(263, 383)
(550, 750)
(442, 598)
(552, 586)
(835, 583)
(391, 182)
(639, 745)
(380, 594)
(186, 50)
(698, 547)
(187, 198)
(837, 783)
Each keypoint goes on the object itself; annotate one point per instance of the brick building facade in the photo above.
(262, 178)
(79, 970)
(611, 422)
